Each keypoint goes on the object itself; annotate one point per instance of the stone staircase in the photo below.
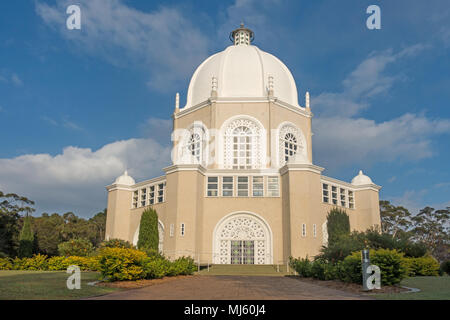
(244, 270)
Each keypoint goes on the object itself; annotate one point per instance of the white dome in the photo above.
(361, 179)
(125, 179)
(242, 70)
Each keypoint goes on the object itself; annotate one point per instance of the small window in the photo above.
(343, 201)
(161, 192)
(334, 195)
(325, 193)
(314, 230)
(304, 230)
(172, 227)
(182, 230)
(213, 186)
(258, 186)
(151, 198)
(273, 187)
(135, 199)
(242, 186)
(351, 200)
(227, 186)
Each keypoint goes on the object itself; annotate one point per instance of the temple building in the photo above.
(242, 187)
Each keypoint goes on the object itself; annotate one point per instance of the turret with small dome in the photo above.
(125, 179)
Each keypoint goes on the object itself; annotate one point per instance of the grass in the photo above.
(46, 285)
(432, 288)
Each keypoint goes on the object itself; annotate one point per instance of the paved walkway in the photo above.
(232, 288)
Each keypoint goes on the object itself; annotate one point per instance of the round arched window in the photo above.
(242, 148)
(290, 146)
(195, 146)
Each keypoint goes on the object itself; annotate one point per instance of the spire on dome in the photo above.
(242, 35)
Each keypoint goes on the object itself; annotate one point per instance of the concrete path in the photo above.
(233, 288)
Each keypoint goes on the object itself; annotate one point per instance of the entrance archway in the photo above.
(160, 235)
(242, 238)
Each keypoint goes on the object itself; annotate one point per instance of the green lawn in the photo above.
(46, 285)
(432, 288)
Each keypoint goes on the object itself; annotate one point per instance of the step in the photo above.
(240, 269)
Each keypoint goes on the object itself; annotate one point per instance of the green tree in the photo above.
(47, 231)
(394, 220)
(97, 228)
(431, 227)
(11, 208)
(148, 230)
(338, 225)
(26, 240)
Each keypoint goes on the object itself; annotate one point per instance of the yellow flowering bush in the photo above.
(121, 264)
(5, 264)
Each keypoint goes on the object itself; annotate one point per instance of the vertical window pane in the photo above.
(227, 186)
(258, 186)
(242, 186)
(273, 187)
(213, 186)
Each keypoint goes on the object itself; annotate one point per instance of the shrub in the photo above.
(116, 243)
(152, 253)
(57, 263)
(445, 267)
(392, 265)
(349, 270)
(26, 239)
(156, 268)
(341, 248)
(318, 269)
(121, 264)
(148, 230)
(422, 266)
(76, 247)
(182, 266)
(412, 249)
(6, 264)
(338, 224)
(302, 266)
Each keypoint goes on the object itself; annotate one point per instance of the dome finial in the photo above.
(242, 35)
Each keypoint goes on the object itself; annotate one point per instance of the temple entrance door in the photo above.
(242, 252)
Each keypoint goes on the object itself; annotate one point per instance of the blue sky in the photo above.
(77, 107)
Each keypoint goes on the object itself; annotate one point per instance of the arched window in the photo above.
(290, 146)
(242, 148)
(244, 144)
(195, 146)
(291, 142)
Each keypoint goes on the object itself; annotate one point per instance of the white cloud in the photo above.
(366, 81)
(343, 139)
(165, 42)
(75, 179)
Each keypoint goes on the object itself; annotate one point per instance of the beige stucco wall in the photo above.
(300, 200)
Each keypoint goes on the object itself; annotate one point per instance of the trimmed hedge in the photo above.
(131, 264)
(115, 264)
(423, 266)
(393, 265)
(42, 262)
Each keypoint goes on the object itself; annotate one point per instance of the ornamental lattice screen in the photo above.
(243, 227)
